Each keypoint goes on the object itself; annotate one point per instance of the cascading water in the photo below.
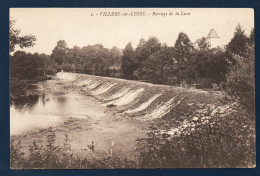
(143, 106)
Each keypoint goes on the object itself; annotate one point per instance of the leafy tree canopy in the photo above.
(59, 52)
(128, 64)
(146, 48)
(238, 43)
(183, 47)
(15, 39)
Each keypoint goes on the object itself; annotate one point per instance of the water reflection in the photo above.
(43, 99)
(26, 101)
(49, 105)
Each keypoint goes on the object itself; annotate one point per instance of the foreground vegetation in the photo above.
(219, 143)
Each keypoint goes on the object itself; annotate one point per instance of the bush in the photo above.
(51, 71)
(240, 80)
(217, 142)
(16, 154)
(17, 87)
(205, 82)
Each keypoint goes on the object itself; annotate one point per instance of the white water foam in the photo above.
(161, 110)
(84, 82)
(118, 94)
(66, 76)
(144, 105)
(128, 97)
(103, 89)
(94, 85)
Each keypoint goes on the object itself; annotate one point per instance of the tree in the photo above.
(183, 47)
(44, 62)
(24, 65)
(142, 53)
(155, 68)
(128, 65)
(95, 60)
(183, 54)
(240, 80)
(238, 44)
(202, 43)
(206, 66)
(59, 53)
(17, 71)
(146, 48)
(22, 41)
(252, 37)
(115, 57)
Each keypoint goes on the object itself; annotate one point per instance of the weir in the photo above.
(142, 101)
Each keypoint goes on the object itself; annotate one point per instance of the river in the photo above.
(83, 118)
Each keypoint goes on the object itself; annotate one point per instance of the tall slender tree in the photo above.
(183, 47)
(128, 65)
(238, 44)
(59, 52)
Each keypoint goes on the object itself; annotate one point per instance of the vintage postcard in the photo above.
(113, 88)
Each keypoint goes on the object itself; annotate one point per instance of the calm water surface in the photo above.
(49, 105)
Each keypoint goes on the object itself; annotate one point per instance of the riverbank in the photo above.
(83, 118)
(153, 126)
(20, 88)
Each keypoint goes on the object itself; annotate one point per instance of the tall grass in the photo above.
(51, 156)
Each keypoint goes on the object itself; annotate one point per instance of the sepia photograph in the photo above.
(132, 88)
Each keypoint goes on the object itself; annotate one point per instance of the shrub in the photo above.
(51, 71)
(218, 142)
(240, 80)
(16, 154)
(17, 87)
(205, 82)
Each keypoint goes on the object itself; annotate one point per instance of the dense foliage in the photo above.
(128, 63)
(204, 141)
(18, 67)
(92, 59)
(16, 39)
(240, 79)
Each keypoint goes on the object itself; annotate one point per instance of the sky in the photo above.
(78, 28)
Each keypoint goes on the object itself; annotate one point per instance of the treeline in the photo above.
(151, 61)
(230, 67)
(185, 62)
(92, 59)
(28, 66)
